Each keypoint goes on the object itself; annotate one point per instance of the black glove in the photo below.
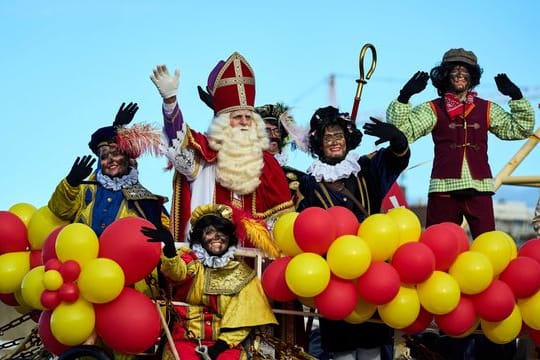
(206, 97)
(125, 115)
(161, 234)
(216, 349)
(80, 170)
(507, 87)
(416, 84)
(386, 132)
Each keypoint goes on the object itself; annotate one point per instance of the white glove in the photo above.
(165, 83)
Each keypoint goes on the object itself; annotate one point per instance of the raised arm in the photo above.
(519, 122)
(167, 86)
(413, 122)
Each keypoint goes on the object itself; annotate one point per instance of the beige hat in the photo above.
(460, 55)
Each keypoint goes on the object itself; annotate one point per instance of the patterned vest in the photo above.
(464, 137)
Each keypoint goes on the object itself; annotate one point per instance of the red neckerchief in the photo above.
(454, 106)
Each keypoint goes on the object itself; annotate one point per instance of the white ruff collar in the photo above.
(330, 173)
(118, 183)
(212, 261)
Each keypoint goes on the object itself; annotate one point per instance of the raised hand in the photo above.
(386, 132)
(507, 87)
(416, 84)
(166, 84)
(125, 115)
(161, 234)
(80, 170)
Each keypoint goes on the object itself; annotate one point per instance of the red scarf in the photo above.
(454, 106)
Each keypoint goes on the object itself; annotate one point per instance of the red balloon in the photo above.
(314, 230)
(53, 264)
(531, 249)
(70, 270)
(444, 244)
(46, 335)
(420, 324)
(273, 280)
(50, 299)
(9, 299)
(68, 292)
(129, 324)
(35, 258)
(13, 233)
(123, 242)
(460, 320)
(495, 303)
(522, 274)
(379, 284)
(414, 261)
(338, 299)
(344, 219)
(48, 250)
(461, 234)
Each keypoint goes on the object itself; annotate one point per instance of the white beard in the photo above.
(240, 154)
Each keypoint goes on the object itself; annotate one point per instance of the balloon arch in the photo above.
(386, 267)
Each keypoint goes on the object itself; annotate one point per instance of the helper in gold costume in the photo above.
(224, 299)
(113, 191)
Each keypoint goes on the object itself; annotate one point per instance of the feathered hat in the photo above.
(277, 115)
(247, 228)
(133, 141)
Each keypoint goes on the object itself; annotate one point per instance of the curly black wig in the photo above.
(221, 225)
(324, 118)
(440, 75)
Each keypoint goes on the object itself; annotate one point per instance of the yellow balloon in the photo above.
(502, 332)
(496, 246)
(513, 247)
(439, 294)
(13, 268)
(52, 280)
(348, 257)
(20, 299)
(24, 211)
(32, 287)
(101, 280)
(73, 323)
(42, 223)
(77, 242)
(381, 234)
(408, 224)
(284, 235)
(307, 274)
(402, 310)
(363, 311)
(473, 272)
(530, 309)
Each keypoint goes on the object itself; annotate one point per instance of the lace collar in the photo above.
(212, 261)
(330, 173)
(118, 183)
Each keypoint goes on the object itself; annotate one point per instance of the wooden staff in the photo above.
(363, 79)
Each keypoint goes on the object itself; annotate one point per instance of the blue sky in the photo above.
(67, 65)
